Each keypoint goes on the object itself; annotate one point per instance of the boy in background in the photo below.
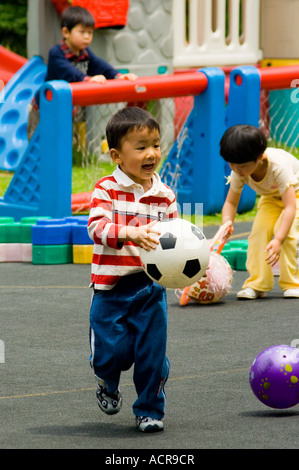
(72, 60)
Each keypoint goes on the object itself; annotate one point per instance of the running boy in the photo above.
(274, 174)
(72, 60)
(128, 316)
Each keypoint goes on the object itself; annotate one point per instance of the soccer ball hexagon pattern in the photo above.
(182, 256)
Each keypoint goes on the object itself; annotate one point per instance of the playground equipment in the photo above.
(41, 184)
(10, 63)
(280, 16)
(17, 94)
(193, 167)
(106, 14)
(61, 241)
(43, 240)
(281, 49)
(280, 98)
(216, 33)
(47, 161)
(46, 240)
(143, 46)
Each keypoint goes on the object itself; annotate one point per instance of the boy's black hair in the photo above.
(126, 120)
(72, 16)
(242, 144)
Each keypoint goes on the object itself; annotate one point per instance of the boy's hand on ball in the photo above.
(145, 235)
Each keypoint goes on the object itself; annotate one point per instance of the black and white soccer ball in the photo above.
(182, 256)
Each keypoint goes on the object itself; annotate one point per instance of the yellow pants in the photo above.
(264, 227)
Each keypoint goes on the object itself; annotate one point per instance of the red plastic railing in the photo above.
(166, 86)
(278, 77)
(141, 89)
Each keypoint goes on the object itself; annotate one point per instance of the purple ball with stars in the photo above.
(274, 376)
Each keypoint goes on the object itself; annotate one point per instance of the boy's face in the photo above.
(139, 154)
(78, 38)
(246, 169)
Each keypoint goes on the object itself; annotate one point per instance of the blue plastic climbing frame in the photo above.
(194, 168)
(16, 96)
(42, 183)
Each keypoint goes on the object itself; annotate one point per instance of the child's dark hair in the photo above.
(242, 144)
(126, 120)
(72, 16)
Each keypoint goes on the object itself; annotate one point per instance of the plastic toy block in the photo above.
(32, 220)
(26, 228)
(61, 231)
(243, 244)
(51, 233)
(230, 256)
(26, 252)
(16, 232)
(25, 233)
(10, 252)
(80, 219)
(80, 235)
(10, 232)
(52, 254)
(82, 254)
(6, 220)
(235, 252)
(241, 258)
(50, 221)
(15, 252)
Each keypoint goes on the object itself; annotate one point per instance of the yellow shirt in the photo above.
(282, 172)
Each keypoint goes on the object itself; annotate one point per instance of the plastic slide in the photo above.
(10, 63)
(14, 100)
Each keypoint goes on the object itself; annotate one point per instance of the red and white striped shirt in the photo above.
(117, 201)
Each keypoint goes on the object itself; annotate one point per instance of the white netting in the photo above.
(279, 119)
(89, 144)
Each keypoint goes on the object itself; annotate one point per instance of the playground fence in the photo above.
(278, 118)
(279, 111)
(192, 167)
(169, 104)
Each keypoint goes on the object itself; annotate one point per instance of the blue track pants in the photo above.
(128, 324)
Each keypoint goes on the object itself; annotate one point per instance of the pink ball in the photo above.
(213, 286)
(274, 376)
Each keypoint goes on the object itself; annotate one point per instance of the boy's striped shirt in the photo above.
(117, 201)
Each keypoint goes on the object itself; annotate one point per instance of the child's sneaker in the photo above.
(249, 294)
(291, 294)
(147, 424)
(110, 403)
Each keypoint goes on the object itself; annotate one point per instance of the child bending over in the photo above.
(273, 174)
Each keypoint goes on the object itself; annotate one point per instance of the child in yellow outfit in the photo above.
(273, 174)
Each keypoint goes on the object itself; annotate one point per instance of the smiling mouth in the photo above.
(148, 166)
